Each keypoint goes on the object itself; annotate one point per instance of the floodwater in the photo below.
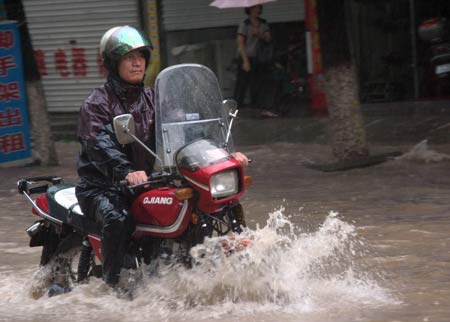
(369, 244)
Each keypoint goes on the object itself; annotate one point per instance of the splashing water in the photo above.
(282, 270)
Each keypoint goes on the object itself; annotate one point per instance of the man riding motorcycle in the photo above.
(103, 162)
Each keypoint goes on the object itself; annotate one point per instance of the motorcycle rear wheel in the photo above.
(60, 267)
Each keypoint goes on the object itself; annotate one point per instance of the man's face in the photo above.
(132, 67)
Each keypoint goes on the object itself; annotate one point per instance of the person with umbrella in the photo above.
(253, 38)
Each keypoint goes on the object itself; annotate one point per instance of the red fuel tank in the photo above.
(156, 207)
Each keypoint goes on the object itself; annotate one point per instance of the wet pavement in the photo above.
(384, 257)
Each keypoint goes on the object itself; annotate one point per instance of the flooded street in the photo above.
(370, 244)
(400, 211)
(303, 88)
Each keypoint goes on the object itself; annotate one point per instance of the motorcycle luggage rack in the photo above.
(23, 186)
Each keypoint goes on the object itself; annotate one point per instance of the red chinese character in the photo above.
(10, 118)
(12, 143)
(61, 63)
(6, 63)
(79, 64)
(39, 55)
(6, 39)
(9, 91)
(101, 68)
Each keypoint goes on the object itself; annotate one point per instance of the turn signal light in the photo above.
(184, 194)
(194, 218)
(248, 180)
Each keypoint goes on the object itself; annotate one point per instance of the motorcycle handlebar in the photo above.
(154, 179)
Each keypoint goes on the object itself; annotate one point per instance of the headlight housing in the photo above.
(224, 184)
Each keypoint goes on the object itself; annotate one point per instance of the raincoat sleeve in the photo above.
(99, 146)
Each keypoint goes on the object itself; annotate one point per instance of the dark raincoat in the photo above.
(103, 162)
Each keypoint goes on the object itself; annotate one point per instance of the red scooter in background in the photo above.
(192, 195)
(434, 32)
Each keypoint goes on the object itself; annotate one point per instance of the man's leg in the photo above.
(262, 90)
(240, 89)
(257, 86)
(117, 227)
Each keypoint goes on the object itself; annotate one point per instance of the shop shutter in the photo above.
(66, 36)
(196, 14)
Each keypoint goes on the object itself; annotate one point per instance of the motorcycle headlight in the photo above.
(224, 184)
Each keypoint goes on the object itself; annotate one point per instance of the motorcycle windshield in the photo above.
(188, 108)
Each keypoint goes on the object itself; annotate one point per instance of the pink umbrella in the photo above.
(237, 3)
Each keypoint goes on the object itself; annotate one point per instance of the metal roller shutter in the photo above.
(65, 36)
(196, 14)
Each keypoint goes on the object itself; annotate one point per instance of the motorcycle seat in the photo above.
(65, 197)
(63, 205)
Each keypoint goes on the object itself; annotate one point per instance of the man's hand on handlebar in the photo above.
(136, 177)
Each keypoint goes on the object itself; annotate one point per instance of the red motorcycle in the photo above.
(193, 193)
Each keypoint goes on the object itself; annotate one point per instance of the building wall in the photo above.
(66, 37)
(383, 47)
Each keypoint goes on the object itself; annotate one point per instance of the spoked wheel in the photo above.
(67, 266)
(75, 260)
(64, 264)
(54, 270)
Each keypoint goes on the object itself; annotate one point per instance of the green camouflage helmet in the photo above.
(119, 41)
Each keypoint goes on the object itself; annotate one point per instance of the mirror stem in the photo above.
(141, 143)
(233, 116)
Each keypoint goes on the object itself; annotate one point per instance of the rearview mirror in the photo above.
(124, 128)
(230, 105)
